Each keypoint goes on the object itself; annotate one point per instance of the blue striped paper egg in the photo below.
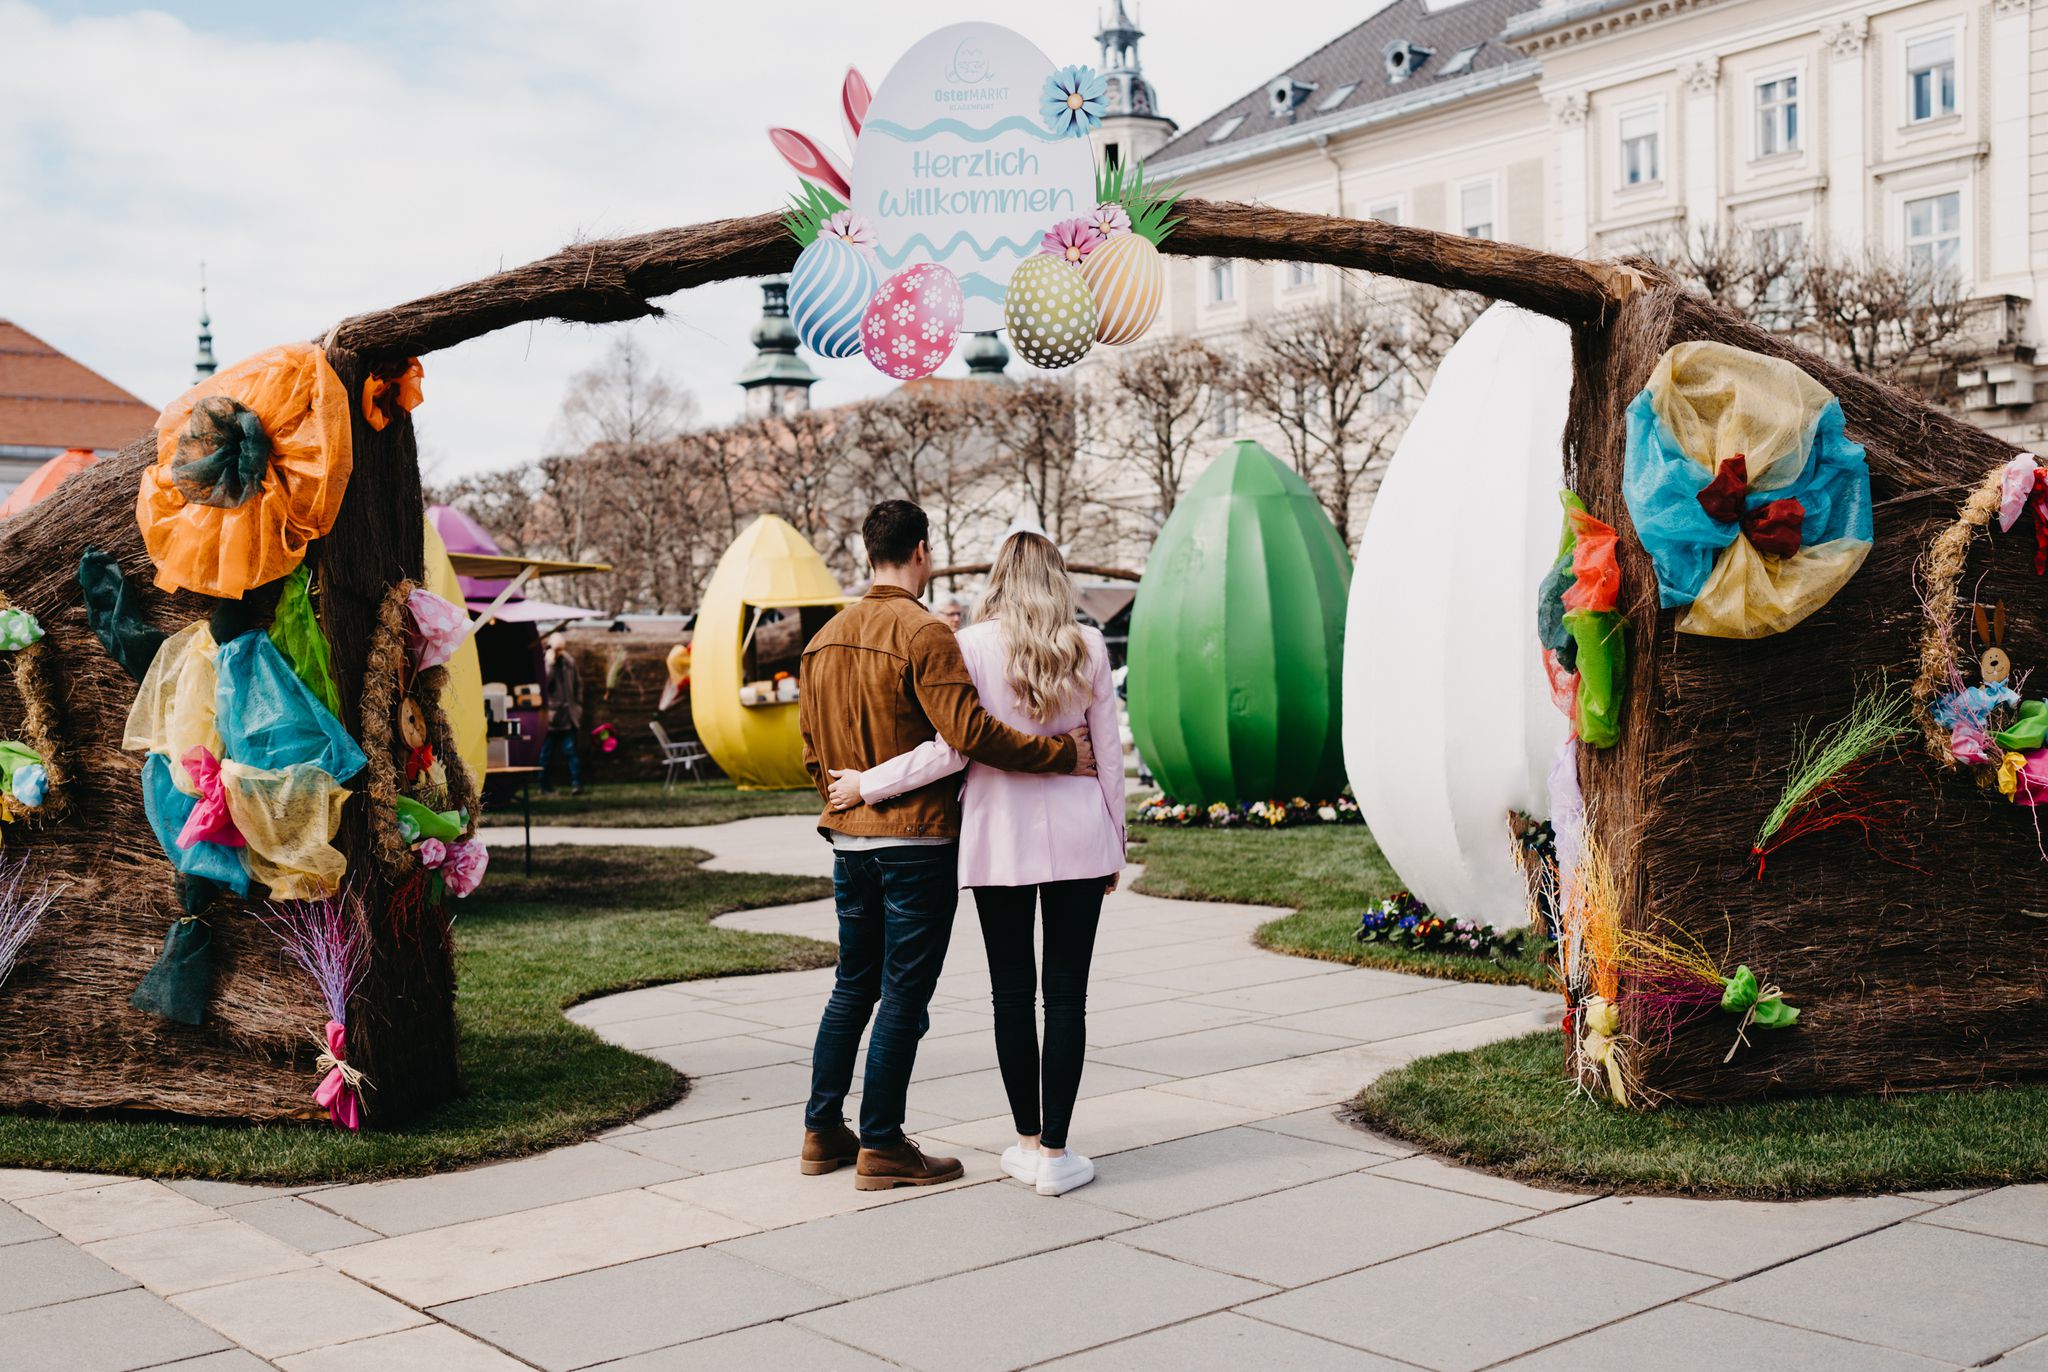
(828, 291)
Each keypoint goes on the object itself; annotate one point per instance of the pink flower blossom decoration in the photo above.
(464, 869)
(1072, 239)
(1110, 219)
(853, 228)
(432, 853)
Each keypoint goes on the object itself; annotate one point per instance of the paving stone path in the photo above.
(1236, 1223)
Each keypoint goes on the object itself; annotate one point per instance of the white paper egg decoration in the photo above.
(1050, 314)
(829, 290)
(1448, 722)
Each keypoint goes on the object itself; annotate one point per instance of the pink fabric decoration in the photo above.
(1968, 742)
(2013, 491)
(438, 628)
(432, 853)
(2033, 780)
(209, 821)
(463, 871)
(334, 1091)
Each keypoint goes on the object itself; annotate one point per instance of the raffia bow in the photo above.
(1601, 1045)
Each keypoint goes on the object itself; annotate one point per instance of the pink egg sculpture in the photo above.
(912, 322)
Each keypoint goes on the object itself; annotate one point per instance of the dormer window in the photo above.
(1404, 59)
(1226, 128)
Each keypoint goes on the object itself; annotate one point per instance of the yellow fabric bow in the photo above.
(2009, 768)
(1599, 1043)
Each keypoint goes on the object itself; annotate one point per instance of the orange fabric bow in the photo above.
(403, 388)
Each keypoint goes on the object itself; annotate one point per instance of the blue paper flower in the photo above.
(31, 784)
(1074, 101)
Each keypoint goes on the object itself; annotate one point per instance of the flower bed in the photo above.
(1402, 921)
(1258, 814)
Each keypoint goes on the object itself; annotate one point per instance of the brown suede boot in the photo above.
(904, 1165)
(828, 1150)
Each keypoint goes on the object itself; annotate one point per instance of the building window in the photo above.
(1934, 233)
(1111, 155)
(1226, 128)
(1222, 281)
(1300, 274)
(1222, 413)
(1389, 213)
(1777, 116)
(1931, 77)
(1639, 162)
(1781, 250)
(1475, 210)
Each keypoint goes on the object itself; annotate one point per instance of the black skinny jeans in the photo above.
(1071, 910)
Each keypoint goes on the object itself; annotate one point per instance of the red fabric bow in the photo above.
(1773, 529)
(418, 761)
(335, 1090)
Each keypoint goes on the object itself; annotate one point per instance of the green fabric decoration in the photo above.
(1237, 638)
(295, 631)
(180, 982)
(18, 629)
(416, 821)
(112, 613)
(1741, 994)
(15, 757)
(2029, 731)
(1550, 630)
(224, 454)
(1602, 638)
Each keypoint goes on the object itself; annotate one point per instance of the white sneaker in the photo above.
(1057, 1176)
(1022, 1163)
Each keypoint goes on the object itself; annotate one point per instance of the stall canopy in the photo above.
(45, 479)
(487, 574)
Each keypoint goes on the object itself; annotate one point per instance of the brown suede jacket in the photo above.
(883, 676)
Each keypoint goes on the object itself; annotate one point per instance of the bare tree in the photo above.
(1159, 397)
(1041, 424)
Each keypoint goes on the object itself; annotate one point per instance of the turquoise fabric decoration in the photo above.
(269, 720)
(168, 808)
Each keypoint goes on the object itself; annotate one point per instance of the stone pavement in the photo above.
(1236, 1223)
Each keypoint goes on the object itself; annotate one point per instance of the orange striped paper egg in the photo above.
(1125, 276)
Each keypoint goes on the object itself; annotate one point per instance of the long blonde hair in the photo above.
(1030, 592)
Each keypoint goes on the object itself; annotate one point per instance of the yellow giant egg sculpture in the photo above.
(770, 592)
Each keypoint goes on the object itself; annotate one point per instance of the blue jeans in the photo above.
(895, 909)
(564, 739)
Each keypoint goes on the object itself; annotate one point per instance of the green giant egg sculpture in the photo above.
(1237, 639)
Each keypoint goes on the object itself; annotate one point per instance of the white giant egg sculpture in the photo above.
(1448, 722)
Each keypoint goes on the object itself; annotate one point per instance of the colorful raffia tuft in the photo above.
(21, 908)
(330, 939)
(1821, 791)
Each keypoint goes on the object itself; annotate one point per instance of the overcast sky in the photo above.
(332, 158)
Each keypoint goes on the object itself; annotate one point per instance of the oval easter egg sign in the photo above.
(956, 166)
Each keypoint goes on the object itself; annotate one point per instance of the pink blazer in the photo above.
(1019, 828)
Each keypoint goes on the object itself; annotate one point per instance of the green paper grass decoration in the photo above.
(1821, 762)
(1148, 205)
(809, 211)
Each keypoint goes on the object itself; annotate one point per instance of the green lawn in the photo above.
(643, 805)
(1507, 1107)
(1327, 875)
(589, 921)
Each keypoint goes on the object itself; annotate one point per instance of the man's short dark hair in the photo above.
(892, 531)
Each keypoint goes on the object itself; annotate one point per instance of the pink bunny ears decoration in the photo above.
(813, 163)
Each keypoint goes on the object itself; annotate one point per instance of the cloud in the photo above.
(327, 164)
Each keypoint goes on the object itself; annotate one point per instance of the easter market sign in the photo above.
(972, 204)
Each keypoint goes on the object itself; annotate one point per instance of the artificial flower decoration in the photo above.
(1071, 240)
(1753, 504)
(18, 629)
(251, 466)
(439, 627)
(1110, 219)
(2024, 487)
(464, 869)
(22, 767)
(402, 388)
(1074, 101)
(852, 228)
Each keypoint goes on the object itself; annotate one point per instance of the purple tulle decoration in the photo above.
(21, 907)
(329, 938)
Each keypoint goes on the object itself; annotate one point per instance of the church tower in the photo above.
(1133, 126)
(203, 364)
(777, 381)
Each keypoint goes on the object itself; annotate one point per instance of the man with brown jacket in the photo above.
(883, 676)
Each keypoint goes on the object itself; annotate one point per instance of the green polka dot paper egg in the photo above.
(1050, 312)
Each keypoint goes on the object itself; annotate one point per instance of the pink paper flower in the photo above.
(438, 628)
(432, 853)
(2016, 485)
(463, 870)
(851, 227)
(1072, 239)
(1110, 219)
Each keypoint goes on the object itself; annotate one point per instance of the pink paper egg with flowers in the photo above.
(912, 322)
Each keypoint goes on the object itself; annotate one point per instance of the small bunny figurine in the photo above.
(1992, 662)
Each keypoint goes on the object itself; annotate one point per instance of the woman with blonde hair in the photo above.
(1054, 842)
